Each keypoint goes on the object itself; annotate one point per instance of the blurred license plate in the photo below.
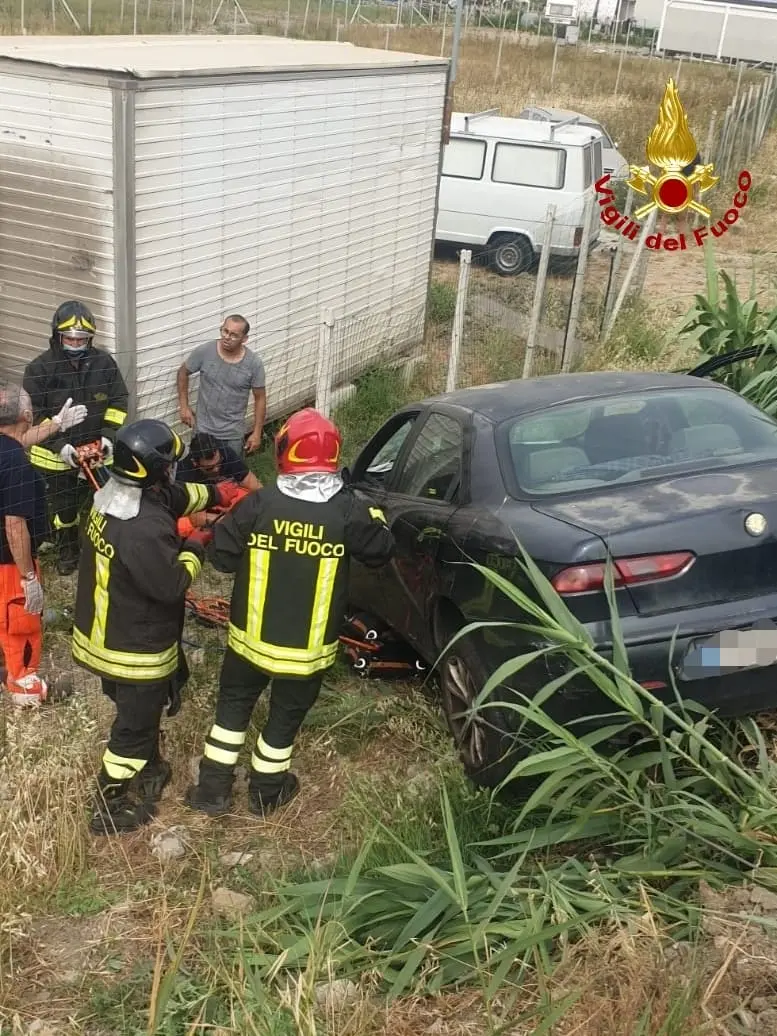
(731, 651)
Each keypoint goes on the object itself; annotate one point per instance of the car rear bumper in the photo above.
(658, 650)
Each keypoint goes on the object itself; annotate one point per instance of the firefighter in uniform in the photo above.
(133, 575)
(289, 546)
(73, 368)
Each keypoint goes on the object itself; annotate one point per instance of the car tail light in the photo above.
(645, 568)
(578, 236)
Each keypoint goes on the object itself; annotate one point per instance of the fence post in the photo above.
(570, 340)
(647, 228)
(746, 133)
(458, 320)
(707, 156)
(720, 150)
(539, 291)
(324, 366)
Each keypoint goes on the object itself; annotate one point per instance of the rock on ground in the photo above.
(232, 905)
(169, 844)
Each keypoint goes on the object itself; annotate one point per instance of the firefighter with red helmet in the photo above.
(132, 580)
(289, 546)
(72, 368)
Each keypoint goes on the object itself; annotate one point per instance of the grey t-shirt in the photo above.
(224, 390)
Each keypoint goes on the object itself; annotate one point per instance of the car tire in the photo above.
(510, 254)
(486, 744)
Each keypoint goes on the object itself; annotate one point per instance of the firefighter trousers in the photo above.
(134, 738)
(21, 634)
(240, 686)
(67, 494)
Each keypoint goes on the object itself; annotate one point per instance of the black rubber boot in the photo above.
(153, 779)
(67, 551)
(213, 793)
(265, 797)
(116, 811)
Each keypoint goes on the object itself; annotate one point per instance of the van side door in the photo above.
(462, 187)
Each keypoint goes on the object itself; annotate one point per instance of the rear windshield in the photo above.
(634, 438)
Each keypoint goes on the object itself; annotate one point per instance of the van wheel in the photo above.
(510, 254)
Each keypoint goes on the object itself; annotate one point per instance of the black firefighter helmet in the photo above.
(75, 320)
(144, 452)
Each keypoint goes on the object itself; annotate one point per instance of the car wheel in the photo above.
(484, 740)
(510, 254)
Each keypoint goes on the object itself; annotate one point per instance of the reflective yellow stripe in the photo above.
(272, 753)
(59, 524)
(229, 737)
(47, 460)
(120, 768)
(259, 568)
(114, 416)
(198, 497)
(262, 766)
(127, 665)
(220, 755)
(280, 661)
(102, 573)
(191, 563)
(322, 601)
(378, 515)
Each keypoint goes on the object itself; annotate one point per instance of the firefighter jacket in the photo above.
(132, 579)
(291, 558)
(51, 379)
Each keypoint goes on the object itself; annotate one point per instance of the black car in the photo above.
(674, 475)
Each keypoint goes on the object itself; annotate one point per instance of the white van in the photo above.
(498, 177)
(613, 161)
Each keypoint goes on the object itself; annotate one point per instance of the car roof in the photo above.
(507, 128)
(505, 399)
(558, 114)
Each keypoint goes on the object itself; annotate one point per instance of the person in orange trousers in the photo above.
(23, 527)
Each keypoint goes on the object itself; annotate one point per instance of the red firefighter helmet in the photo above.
(307, 442)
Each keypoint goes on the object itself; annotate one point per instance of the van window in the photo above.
(588, 165)
(597, 155)
(464, 158)
(529, 166)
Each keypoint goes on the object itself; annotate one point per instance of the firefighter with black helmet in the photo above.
(133, 575)
(73, 368)
(289, 546)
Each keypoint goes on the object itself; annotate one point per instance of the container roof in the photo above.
(507, 128)
(156, 57)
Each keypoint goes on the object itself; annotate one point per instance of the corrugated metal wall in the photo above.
(697, 27)
(750, 38)
(56, 210)
(687, 29)
(648, 12)
(276, 200)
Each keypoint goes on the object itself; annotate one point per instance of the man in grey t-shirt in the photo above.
(229, 373)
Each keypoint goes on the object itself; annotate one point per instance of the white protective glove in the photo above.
(107, 446)
(69, 416)
(69, 456)
(33, 594)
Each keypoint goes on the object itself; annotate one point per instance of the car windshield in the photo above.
(634, 438)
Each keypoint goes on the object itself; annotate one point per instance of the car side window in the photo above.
(379, 467)
(434, 465)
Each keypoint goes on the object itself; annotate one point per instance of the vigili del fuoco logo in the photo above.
(680, 185)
